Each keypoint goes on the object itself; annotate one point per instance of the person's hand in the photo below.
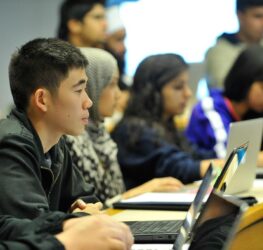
(165, 184)
(99, 232)
(219, 163)
(90, 208)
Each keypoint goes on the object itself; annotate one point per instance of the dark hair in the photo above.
(74, 9)
(247, 69)
(151, 75)
(145, 107)
(41, 62)
(242, 5)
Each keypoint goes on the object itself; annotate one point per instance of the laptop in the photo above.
(178, 200)
(232, 165)
(167, 231)
(251, 131)
(215, 226)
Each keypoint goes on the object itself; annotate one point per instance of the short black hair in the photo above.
(74, 9)
(247, 69)
(242, 5)
(42, 62)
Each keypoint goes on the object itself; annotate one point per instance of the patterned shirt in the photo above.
(95, 154)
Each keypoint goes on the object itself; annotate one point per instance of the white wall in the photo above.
(186, 27)
(21, 21)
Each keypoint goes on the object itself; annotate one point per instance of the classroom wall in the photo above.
(21, 21)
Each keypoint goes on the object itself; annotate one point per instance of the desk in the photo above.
(256, 190)
(143, 215)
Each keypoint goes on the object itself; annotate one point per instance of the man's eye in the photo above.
(78, 91)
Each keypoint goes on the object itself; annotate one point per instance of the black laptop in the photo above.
(167, 231)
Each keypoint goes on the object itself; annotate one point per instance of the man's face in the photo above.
(94, 26)
(251, 24)
(68, 109)
(115, 42)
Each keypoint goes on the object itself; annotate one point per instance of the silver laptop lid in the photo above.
(217, 222)
(240, 132)
(221, 182)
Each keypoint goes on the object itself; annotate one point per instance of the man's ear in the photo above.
(74, 26)
(41, 99)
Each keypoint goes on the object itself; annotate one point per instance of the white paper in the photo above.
(152, 247)
(162, 197)
(156, 247)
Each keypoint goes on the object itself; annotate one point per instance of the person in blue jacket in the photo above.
(149, 144)
(242, 99)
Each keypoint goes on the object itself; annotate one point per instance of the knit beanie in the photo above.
(101, 68)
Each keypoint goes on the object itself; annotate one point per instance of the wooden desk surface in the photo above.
(144, 215)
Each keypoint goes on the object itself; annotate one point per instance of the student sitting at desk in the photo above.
(48, 84)
(94, 152)
(148, 141)
(243, 95)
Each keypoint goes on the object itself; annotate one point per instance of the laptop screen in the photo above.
(240, 132)
(222, 180)
(195, 208)
(217, 223)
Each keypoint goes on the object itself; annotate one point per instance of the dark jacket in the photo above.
(28, 184)
(147, 159)
(25, 234)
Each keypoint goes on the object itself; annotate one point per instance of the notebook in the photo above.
(240, 132)
(167, 231)
(179, 200)
(216, 224)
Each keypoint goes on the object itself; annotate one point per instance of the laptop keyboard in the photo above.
(149, 227)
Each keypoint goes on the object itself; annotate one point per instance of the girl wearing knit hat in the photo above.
(94, 152)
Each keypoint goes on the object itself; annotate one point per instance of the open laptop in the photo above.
(251, 131)
(167, 231)
(215, 226)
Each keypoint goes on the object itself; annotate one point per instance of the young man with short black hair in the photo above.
(48, 84)
(83, 23)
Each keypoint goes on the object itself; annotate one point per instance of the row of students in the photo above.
(32, 154)
(94, 152)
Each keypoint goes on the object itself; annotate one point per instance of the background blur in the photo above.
(186, 27)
